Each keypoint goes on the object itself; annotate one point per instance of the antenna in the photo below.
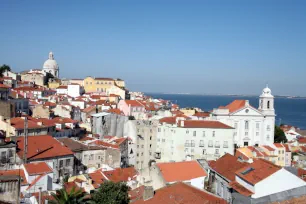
(25, 148)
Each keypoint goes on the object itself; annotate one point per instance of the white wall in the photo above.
(171, 142)
(198, 182)
(73, 90)
(280, 181)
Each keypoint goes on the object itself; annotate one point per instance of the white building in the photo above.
(74, 90)
(252, 126)
(179, 139)
(51, 66)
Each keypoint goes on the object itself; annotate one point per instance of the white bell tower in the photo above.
(266, 102)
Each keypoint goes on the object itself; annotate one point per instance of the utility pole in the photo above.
(25, 148)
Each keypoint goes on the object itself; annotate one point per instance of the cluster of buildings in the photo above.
(79, 133)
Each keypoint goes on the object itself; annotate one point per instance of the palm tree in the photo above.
(63, 196)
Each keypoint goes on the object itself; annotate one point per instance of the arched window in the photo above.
(268, 104)
(246, 126)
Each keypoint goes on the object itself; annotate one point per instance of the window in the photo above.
(194, 133)
(97, 89)
(203, 133)
(201, 143)
(67, 162)
(236, 125)
(257, 133)
(137, 146)
(235, 134)
(192, 150)
(213, 133)
(158, 140)
(217, 151)
(150, 130)
(246, 126)
(225, 144)
(245, 143)
(210, 143)
(283, 151)
(268, 137)
(217, 144)
(192, 143)
(187, 131)
(257, 126)
(204, 151)
(137, 154)
(158, 129)
(61, 163)
(186, 150)
(268, 104)
(163, 140)
(268, 128)
(150, 137)
(187, 144)
(141, 153)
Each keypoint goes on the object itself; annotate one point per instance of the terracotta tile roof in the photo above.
(181, 193)
(177, 112)
(204, 124)
(181, 171)
(15, 172)
(235, 105)
(257, 171)
(133, 103)
(104, 79)
(227, 165)
(103, 144)
(302, 140)
(287, 147)
(89, 109)
(172, 120)
(4, 86)
(97, 178)
(115, 111)
(268, 147)
(121, 174)
(136, 193)
(37, 168)
(61, 120)
(70, 185)
(48, 103)
(278, 145)
(302, 149)
(302, 173)
(202, 114)
(42, 147)
(62, 87)
(119, 141)
(86, 138)
(240, 189)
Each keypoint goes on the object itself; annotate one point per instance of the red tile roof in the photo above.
(181, 193)
(268, 147)
(97, 178)
(121, 174)
(226, 166)
(37, 168)
(104, 144)
(235, 105)
(15, 172)
(278, 145)
(136, 193)
(302, 140)
(240, 189)
(89, 109)
(172, 120)
(287, 147)
(116, 111)
(202, 114)
(181, 171)
(203, 124)
(257, 171)
(133, 103)
(42, 147)
(70, 185)
(4, 86)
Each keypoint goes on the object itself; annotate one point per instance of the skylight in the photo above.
(248, 170)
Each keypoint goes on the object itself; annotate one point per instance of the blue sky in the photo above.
(227, 47)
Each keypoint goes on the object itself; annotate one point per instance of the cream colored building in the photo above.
(34, 76)
(101, 84)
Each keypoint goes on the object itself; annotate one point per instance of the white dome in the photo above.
(50, 63)
(266, 92)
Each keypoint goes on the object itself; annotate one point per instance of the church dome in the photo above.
(50, 63)
(266, 92)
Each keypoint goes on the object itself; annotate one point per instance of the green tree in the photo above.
(111, 193)
(279, 135)
(62, 196)
(3, 68)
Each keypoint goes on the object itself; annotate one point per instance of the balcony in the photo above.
(217, 145)
(192, 145)
(187, 144)
(201, 145)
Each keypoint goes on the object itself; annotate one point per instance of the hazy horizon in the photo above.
(198, 47)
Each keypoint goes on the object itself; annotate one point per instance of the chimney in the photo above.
(148, 193)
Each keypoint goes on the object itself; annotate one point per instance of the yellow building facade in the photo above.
(101, 84)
